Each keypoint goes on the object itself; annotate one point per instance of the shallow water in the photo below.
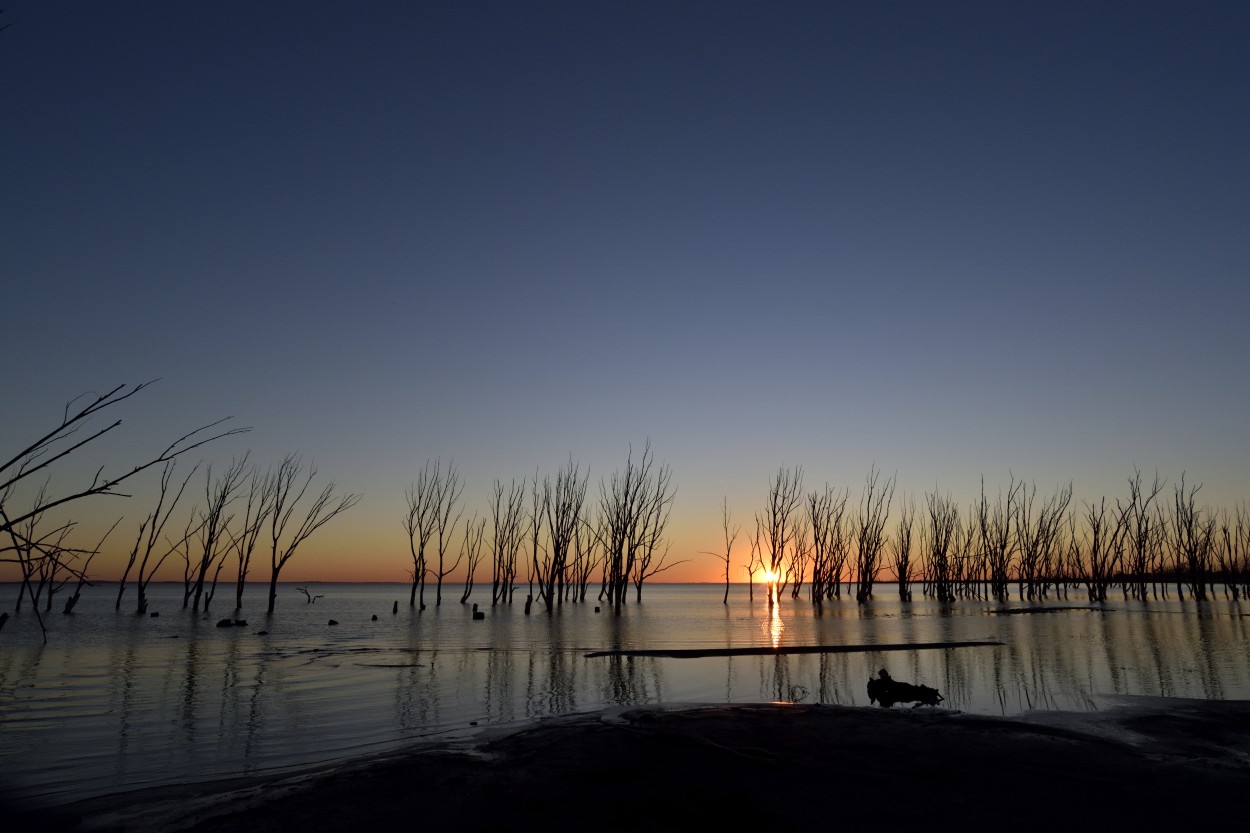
(115, 702)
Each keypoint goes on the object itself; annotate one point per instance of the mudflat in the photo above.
(760, 767)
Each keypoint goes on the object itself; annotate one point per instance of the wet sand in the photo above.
(1143, 761)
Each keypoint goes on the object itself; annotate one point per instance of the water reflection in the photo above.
(123, 701)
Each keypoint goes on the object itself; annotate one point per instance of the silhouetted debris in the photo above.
(262, 633)
(1012, 611)
(154, 614)
(887, 691)
(226, 623)
(333, 622)
(700, 653)
(375, 617)
(477, 614)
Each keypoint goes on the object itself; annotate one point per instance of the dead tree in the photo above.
(940, 534)
(507, 515)
(756, 561)
(311, 599)
(1039, 532)
(1142, 533)
(471, 552)
(634, 507)
(657, 508)
(151, 546)
(288, 486)
(420, 497)
(256, 511)
(59, 443)
(1193, 531)
(996, 541)
(900, 548)
(1104, 547)
(731, 535)
(785, 492)
(826, 512)
(213, 538)
(562, 505)
(447, 490)
(874, 509)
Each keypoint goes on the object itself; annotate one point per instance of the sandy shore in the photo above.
(759, 767)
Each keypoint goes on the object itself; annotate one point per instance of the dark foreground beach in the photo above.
(760, 767)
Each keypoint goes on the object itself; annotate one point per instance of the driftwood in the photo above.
(887, 691)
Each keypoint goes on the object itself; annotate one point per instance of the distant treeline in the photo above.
(1148, 542)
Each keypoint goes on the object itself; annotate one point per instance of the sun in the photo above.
(770, 576)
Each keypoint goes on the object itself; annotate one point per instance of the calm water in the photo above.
(116, 702)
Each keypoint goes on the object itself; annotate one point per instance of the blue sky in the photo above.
(950, 240)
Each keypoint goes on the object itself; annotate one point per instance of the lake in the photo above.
(116, 702)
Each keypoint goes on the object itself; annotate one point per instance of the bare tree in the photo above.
(507, 514)
(731, 535)
(308, 596)
(900, 547)
(939, 542)
(785, 492)
(874, 508)
(447, 490)
(562, 506)
(1193, 532)
(419, 524)
(756, 561)
(997, 544)
(59, 443)
(213, 538)
(1038, 535)
(154, 527)
(657, 507)
(256, 511)
(471, 552)
(287, 492)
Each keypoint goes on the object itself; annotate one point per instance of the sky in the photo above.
(948, 240)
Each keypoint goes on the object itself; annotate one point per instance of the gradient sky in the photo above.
(947, 239)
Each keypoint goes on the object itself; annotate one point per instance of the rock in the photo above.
(240, 623)
(333, 622)
(262, 633)
(154, 614)
(395, 608)
(375, 617)
(226, 623)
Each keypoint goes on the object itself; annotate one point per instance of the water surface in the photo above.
(115, 702)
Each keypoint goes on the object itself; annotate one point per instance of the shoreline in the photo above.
(772, 766)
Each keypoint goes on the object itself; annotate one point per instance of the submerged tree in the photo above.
(213, 538)
(562, 505)
(63, 440)
(289, 485)
(731, 535)
(634, 505)
(785, 493)
(447, 490)
(874, 508)
(471, 552)
(507, 516)
(256, 509)
(419, 524)
(900, 547)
